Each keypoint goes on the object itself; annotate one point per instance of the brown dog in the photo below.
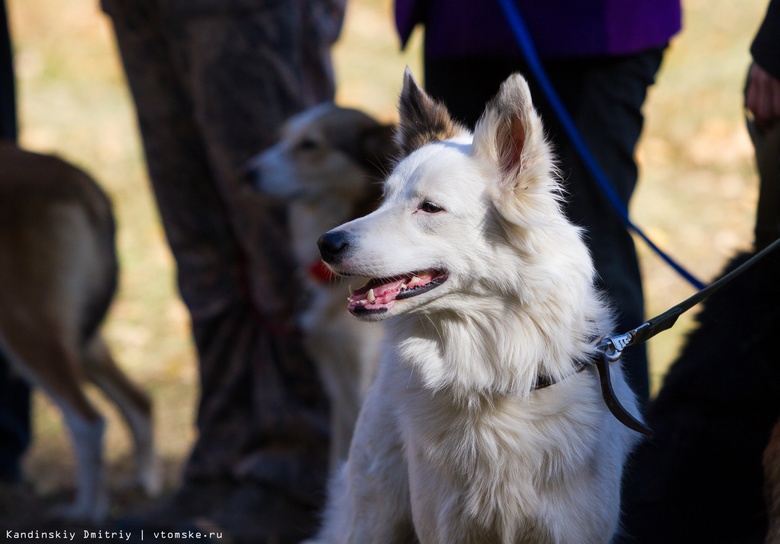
(58, 275)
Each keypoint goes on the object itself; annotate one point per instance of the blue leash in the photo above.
(532, 58)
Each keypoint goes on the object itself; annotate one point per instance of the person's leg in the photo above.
(604, 97)
(210, 92)
(14, 422)
(767, 149)
(14, 393)
(466, 85)
(8, 126)
(606, 105)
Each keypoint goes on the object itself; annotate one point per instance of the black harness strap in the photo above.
(601, 362)
(543, 381)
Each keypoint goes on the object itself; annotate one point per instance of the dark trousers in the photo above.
(604, 97)
(7, 84)
(767, 147)
(14, 393)
(14, 421)
(212, 84)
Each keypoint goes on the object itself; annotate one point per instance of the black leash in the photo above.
(610, 348)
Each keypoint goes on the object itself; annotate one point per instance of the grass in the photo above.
(696, 195)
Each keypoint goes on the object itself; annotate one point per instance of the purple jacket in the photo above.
(559, 28)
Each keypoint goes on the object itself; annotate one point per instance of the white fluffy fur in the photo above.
(453, 444)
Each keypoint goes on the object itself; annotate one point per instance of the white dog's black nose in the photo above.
(333, 245)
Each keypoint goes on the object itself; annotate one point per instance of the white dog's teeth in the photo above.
(351, 291)
(370, 295)
(404, 287)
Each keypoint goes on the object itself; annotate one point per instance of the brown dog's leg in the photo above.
(134, 405)
(52, 363)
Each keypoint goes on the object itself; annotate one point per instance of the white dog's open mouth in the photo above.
(380, 294)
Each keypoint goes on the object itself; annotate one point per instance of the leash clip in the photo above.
(609, 350)
(611, 347)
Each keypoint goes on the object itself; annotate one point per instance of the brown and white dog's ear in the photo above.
(510, 134)
(379, 154)
(422, 119)
(379, 147)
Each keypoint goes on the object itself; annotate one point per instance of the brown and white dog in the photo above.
(58, 275)
(327, 168)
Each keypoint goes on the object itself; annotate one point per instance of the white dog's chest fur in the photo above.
(505, 469)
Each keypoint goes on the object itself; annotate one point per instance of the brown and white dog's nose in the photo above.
(333, 245)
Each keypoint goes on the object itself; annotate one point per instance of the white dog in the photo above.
(327, 168)
(488, 294)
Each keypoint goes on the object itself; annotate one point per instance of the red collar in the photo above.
(320, 272)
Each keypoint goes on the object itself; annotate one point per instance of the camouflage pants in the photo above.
(212, 81)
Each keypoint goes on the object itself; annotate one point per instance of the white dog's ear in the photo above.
(422, 119)
(510, 134)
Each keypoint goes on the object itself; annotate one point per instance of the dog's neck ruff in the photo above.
(601, 362)
(320, 273)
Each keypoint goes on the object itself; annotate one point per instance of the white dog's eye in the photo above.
(429, 207)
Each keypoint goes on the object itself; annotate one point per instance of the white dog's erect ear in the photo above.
(510, 134)
(422, 119)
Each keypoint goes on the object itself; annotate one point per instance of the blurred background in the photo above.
(696, 195)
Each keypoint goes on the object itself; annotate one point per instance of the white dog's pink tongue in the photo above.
(379, 294)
